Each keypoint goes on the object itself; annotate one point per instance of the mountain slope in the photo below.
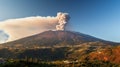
(52, 38)
(57, 45)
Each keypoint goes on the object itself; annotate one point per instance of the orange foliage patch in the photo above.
(109, 54)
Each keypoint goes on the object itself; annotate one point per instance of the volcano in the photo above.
(56, 38)
(55, 45)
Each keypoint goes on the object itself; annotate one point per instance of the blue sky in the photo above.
(99, 18)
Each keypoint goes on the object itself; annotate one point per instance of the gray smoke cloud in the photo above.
(63, 19)
(23, 27)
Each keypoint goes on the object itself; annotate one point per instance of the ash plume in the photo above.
(28, 26)
(63, 19)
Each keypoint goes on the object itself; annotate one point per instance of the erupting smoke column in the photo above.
(63, 19)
